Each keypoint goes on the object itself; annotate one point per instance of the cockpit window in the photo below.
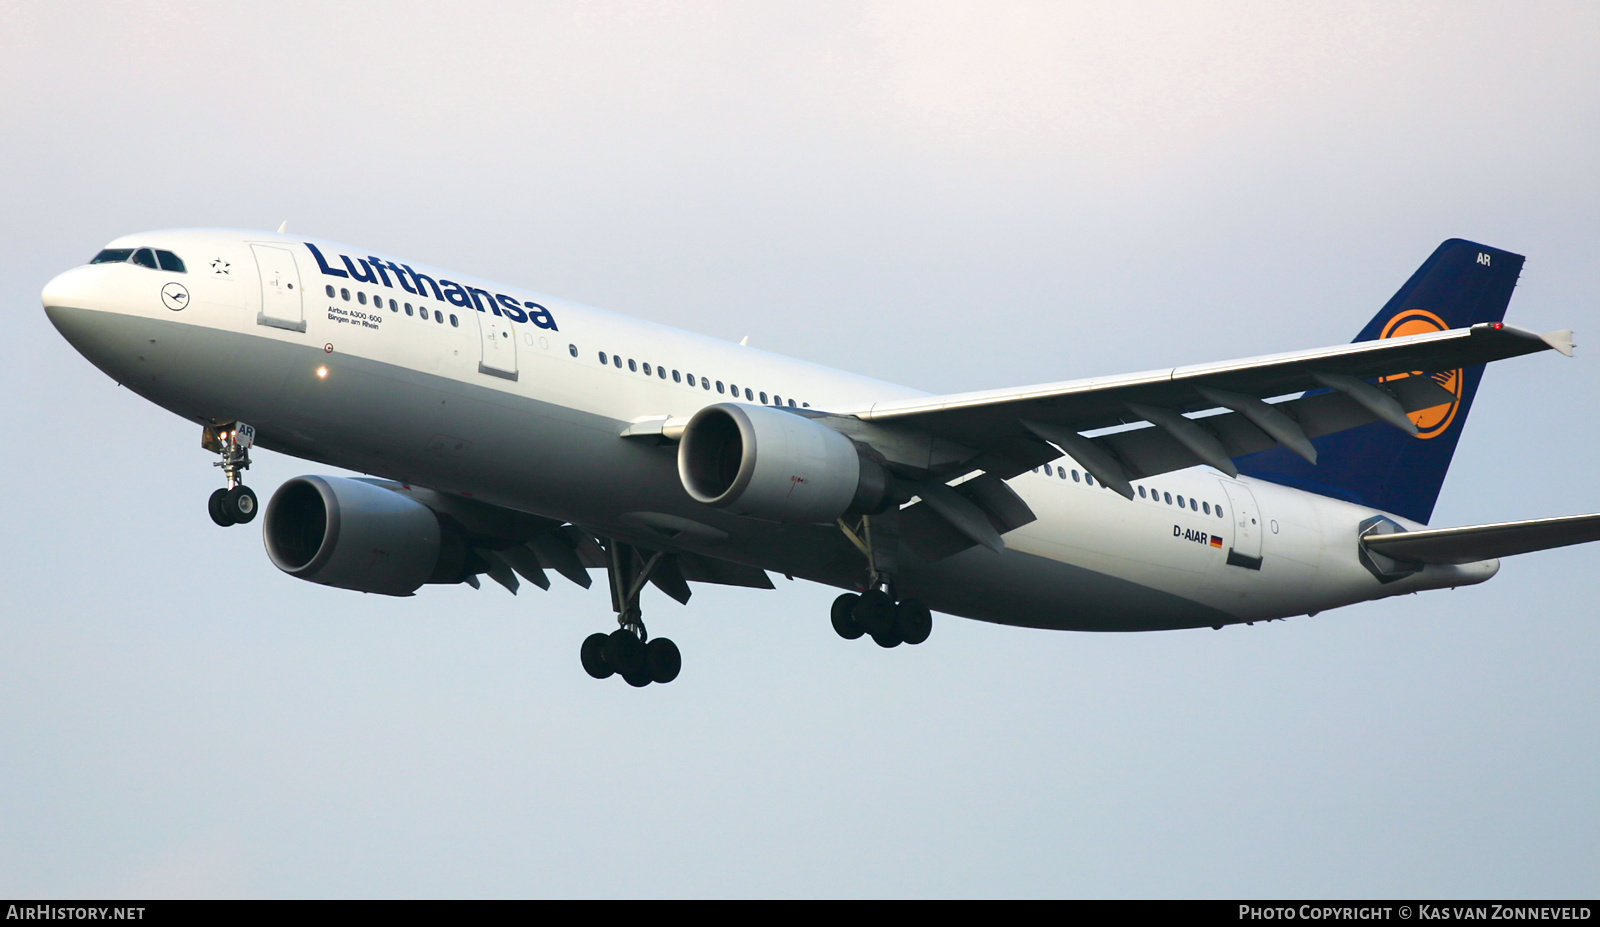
(144, 257)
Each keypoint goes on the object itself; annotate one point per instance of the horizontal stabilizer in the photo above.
(1485, 542)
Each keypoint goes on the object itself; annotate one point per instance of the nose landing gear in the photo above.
(236, 504)
(629, 651)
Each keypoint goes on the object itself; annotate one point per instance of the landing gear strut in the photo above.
(629, 651)
(236, 504)
(879, 612)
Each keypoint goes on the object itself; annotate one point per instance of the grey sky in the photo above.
(951, 197)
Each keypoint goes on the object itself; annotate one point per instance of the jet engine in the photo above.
(775, 464)
(356, 535)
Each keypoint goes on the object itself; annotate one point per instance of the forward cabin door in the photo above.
(281, 304)
(499, 346)
(1245, 523)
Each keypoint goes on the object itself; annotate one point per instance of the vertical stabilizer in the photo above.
(1461, 284)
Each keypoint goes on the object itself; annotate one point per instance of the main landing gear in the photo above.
(235, 504)
(880, 612)
(876, 613)
(629, 651)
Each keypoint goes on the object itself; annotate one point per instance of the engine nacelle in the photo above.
(355, 535)
(774, 464)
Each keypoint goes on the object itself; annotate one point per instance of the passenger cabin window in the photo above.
(144, 257)
(572, 349)
(1049, 471)
(330, 291)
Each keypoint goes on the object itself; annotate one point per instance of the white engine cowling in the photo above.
(774, 464)
(353, 535)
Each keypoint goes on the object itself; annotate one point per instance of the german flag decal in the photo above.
(1216, 542)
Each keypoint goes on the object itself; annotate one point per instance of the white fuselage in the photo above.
(522, 413)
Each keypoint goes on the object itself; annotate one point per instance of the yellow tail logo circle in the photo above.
(1435, 420)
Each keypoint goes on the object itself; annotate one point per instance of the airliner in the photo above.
(512, 435)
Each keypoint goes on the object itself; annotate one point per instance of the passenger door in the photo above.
(281, 303)
(499, 346)
(1245, 544)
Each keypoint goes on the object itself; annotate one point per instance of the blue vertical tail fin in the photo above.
(1461, 284)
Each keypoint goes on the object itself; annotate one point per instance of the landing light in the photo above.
(322, 373)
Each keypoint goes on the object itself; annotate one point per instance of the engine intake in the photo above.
(775, 464)
(356, 535)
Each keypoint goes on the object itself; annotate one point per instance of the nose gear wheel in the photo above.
(236, 504)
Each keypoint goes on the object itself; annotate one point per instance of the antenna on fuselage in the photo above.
(283, 226)
(745, 341)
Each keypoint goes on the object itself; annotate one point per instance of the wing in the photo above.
(1006, 431)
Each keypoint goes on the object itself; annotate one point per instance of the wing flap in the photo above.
(1152, 451)
(1485, 542)
(698, 568)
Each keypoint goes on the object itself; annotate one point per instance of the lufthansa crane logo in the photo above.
(1435, 420)
(174, 296)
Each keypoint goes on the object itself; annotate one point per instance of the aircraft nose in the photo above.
(69, 290)
(76, 303)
